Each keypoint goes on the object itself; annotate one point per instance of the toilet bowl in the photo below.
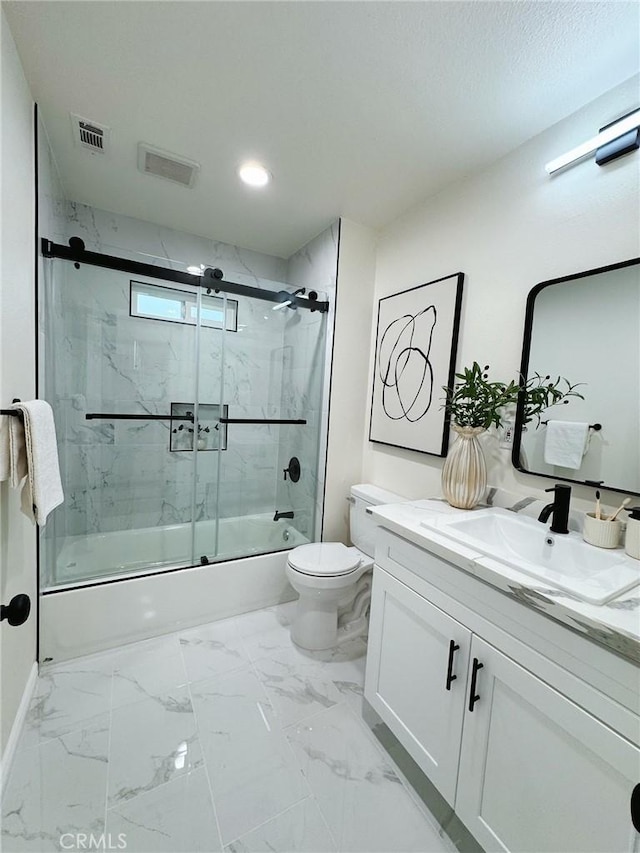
(333, 581)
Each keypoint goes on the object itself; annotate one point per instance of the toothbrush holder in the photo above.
(602, 534)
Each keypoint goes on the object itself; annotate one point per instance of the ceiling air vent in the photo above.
(90, 134)
(162, 164)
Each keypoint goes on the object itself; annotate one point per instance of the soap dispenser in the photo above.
(632, 538)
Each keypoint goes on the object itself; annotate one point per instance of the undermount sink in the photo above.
(563, 561)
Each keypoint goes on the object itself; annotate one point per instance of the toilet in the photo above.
(334, 581)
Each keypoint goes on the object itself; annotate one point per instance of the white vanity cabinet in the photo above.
(537, 772)
(417, 664)
(526, 767)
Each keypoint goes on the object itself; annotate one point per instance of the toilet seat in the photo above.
(325, 559)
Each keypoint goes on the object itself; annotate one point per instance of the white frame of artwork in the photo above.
(415, 356)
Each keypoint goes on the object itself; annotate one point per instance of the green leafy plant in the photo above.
(475, 401)
(541, 393)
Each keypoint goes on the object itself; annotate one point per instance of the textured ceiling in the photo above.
(359, 109)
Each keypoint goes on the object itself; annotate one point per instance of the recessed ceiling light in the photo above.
(254, 174)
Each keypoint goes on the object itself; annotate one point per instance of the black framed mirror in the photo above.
(585, 329)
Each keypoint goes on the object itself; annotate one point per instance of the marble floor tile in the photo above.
(56, 788)
(65, 698)
(225, 734)
(252, 769)
(146, 651)
(148, 677)
(268, 634)
(347, 664)
(96, 662)
(301, 829)
(364, 802)
(175, 818)
(212, 650)
(152, 742)
(267, 619)
(300, 683)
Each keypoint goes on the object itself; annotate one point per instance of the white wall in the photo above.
(17, 366)
(507, 229)
(350, 391)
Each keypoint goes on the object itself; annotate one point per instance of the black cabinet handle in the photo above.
(453, 648)
(635, 808)
(473, 698)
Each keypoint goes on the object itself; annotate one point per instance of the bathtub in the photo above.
(117, 588)
(100, 557)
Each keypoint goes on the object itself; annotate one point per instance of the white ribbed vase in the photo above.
(464, 474)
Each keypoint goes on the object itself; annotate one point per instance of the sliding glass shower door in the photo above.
(119, 373)
(269, 406)
(169, 401)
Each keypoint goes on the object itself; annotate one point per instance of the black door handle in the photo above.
(17, 611)
(635, 807)
(473, 698)
(453, 648)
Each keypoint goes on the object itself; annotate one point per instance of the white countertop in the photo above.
(615, 624)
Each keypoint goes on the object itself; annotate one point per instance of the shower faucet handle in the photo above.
(293, 469)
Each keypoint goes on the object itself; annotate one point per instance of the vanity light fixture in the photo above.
(254, 174)
(613, 141)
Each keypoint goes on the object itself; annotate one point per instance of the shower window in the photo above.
(154, 302)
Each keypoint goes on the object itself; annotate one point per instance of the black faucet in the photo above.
(559, 508)
(280, 515)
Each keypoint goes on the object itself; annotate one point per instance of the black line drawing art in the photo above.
(405, 370)
(415, 355)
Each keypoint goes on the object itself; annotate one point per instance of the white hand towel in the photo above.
(18, 463)
(42, 491)
(5, 458)
(13, 451)
(566, 443)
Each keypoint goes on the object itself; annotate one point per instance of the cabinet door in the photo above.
(410, 663)
(538, 773)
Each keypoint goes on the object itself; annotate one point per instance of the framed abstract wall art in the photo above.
(416, 344)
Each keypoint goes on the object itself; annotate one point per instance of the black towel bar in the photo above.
(262, 421)
(595, 427)
(13, 413)
(114, 416)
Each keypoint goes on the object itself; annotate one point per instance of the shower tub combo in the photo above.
(181, 402)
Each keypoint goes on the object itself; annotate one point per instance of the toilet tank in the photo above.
(362, 525)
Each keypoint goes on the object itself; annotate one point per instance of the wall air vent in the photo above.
(163, 164)
(90, 134)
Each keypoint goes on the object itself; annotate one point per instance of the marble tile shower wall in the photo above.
(52, 222)
(112, 233)
(119, 475)
(52, 217)
(306, 385)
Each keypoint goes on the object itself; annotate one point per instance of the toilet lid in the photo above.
(324, 559)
